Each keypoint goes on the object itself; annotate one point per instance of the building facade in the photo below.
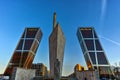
(78, 67)
(117, 72)
(93, 52)
(56, 49)
(25, 51)
(41, 69)
(86, 75)
(23, 74)
(81, 74)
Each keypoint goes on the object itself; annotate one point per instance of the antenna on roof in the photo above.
(54, 20)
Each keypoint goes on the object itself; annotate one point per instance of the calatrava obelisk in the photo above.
(56, 49)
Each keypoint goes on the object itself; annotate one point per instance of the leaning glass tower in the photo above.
(25, 51)
(93, 52)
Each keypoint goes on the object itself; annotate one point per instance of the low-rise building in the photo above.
(86, 75)
(37, 72)
(81, 74)
(41, 69)
(23, 74)
(117, 72)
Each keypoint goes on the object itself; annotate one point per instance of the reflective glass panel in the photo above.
(87, 33)
(82, 46)
(19, 47)
(28, 44)
(101, 58)
(31, 32)
(89, 44)
(98, 46)
(92, 56)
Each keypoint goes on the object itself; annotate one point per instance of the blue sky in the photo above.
(103, 15)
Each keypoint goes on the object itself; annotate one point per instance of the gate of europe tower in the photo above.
(56, 49)
(93, 52)
(25, 51)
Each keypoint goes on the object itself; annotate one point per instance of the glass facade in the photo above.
(16, 58)
(31, 33)
(92, 50)
(26, 49)
(82, 46)
(19, 47)
(28, 44)
(35, 46)
(88, 61)
(98, 46)
(89, 44)
(87, 33)
(92, 56)
(101, 58)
